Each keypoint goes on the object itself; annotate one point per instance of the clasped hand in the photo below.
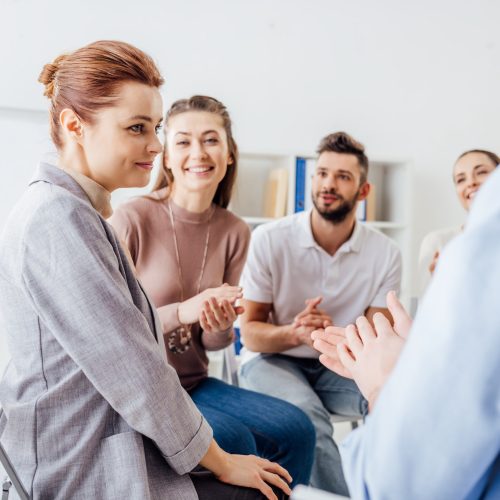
(364, 352)
(309, 320)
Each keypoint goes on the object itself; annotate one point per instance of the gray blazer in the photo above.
(91, 408)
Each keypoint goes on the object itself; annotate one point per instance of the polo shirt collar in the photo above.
(306, 240)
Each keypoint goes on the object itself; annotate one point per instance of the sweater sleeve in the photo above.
(127, 228)
(232, 273)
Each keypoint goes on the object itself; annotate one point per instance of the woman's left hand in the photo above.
(218, 317)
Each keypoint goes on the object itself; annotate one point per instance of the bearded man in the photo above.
(307, 271)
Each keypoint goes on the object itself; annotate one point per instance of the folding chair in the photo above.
(12, 479)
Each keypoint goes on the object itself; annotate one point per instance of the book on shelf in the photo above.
(366, 208)
(276, 193)
(304, 171)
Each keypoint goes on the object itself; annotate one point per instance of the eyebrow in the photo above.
(145, 118)
(480, 165)
(203, 133)
(341, 171)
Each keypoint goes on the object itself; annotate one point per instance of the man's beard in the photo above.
(337, 215)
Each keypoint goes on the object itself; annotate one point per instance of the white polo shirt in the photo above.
(285, 266)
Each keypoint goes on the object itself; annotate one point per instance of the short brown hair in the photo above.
(165, 178)
(492, 156)
(89, 78)
(343, 143)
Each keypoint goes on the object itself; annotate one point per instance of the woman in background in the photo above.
(91, 408)
(470, 171)
(189, 252)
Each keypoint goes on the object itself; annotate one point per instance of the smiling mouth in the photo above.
(202, 169)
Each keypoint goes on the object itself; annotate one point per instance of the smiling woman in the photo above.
(91, 407)
(470, 171)
(189, 252)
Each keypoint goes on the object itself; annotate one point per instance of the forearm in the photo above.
(264, 337)
(169, 317)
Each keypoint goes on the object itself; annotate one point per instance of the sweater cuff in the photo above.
(186, 460)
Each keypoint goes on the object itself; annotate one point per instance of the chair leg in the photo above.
(5, 489)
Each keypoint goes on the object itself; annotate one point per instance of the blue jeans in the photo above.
(246, 422)
(316, 390)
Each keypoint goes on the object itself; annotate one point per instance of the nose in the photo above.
(472, 181)
(155, 146)
(197, 150)
(329, 183)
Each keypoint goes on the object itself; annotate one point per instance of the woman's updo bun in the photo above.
(87, 80)
(48, 76)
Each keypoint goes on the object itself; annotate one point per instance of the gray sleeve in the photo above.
(70, 274)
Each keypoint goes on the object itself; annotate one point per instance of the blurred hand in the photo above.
(434, 261)
(255, 472)
(370, 353)
(190, 310)
(402, 320)
(326, 341)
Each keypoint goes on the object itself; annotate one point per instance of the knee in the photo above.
(235, 438)
(301, 433)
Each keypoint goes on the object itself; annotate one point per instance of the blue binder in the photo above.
(300, 184)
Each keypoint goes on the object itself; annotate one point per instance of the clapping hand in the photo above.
(190, 310)
(218, 316)
(308, 320)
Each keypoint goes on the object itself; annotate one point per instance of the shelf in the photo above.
(255, 221)
(384, 224)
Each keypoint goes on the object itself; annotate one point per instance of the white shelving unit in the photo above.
(391, 178)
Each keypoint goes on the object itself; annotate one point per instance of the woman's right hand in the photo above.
(189, 311)
(255, 472)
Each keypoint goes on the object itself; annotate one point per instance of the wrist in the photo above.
(216, 459)
(293, 335)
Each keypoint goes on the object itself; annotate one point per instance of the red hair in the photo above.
(89, 78)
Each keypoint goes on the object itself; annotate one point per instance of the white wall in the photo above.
(416, 80)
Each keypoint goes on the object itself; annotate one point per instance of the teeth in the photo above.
(199, 170)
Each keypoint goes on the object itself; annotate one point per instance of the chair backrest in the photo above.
(11, 473)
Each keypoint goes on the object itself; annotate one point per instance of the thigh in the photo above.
(282, 378)
(261, 413)
(209, 488)
(230, 434)
(339, 394)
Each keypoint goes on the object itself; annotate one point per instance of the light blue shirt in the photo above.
(434, 433)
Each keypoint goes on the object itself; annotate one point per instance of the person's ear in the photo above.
(230, 160)
(71, 125)
(364, 191)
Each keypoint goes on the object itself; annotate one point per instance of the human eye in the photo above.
(211, 140)
(138, 128)
(181, 142)
(483, 172)
(158, 128)
(459, 180)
